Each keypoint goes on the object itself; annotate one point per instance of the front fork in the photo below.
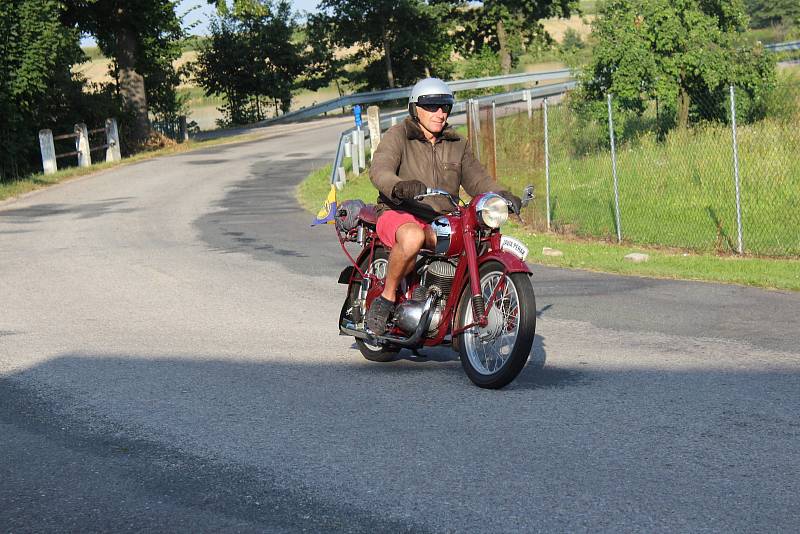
(478, 305)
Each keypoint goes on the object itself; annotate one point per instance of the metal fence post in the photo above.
(337, 177)
(476, 126)
(82, 145)
(494, 139)
(529, 100)
(614, 168)
(736, 170)
(112, 139)
(48, 149)
(547, 161)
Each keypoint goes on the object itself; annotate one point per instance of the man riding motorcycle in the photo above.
(421, 152)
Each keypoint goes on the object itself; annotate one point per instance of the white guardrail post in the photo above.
(48, 148)
(82, 145)
(362, 149)
(355, 159)
(112, 140)
(374, 124)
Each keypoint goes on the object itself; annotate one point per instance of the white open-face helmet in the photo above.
(430, 92)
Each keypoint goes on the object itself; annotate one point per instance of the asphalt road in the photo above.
(169, 361)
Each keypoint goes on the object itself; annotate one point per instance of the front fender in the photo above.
(511, 262)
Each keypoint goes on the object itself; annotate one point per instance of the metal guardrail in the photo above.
(404, 92)
(456, 85)
(783, 47)
(459, 108)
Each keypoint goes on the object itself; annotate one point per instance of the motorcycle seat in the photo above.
(368, 215)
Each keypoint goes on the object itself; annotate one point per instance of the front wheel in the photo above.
(493, 356)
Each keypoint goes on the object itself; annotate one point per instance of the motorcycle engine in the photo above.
(438, 274)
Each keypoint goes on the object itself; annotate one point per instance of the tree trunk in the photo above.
(505, 54)
(387, 52)
(683, 109)
(131, 84)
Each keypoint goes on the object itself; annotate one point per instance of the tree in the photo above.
(679, 52)
(252, 59)
(36, 55)
(142, 37)
(765, 13)
(399, 41)
(506, 26)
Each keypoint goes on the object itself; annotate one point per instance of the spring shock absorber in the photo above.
(478, 308)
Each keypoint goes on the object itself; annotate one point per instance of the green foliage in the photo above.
(156, 42)
(36, 85)
(508, 27)
(484, 62)
(676, 190)
(683, 54)
(572, 41)
(764, 13)
(252, 60)
(398, 42)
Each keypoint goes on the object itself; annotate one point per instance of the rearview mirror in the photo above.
(527, 195)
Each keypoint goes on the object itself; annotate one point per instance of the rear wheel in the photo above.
(372, 351)
(493, 356)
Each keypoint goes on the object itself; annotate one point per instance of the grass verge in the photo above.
(15, 188)
(598, 256)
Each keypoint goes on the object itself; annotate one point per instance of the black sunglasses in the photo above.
(432, 108)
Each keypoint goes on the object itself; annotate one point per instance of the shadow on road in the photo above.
(80, 211)
(297, 435)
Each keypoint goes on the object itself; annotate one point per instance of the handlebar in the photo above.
(438, 192)
(527, 197)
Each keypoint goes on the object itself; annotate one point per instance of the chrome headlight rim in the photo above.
(492, 210)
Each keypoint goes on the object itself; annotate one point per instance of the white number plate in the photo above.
(514, 246)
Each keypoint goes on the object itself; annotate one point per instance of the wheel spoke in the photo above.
(490, 348)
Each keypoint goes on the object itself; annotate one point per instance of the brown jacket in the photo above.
(405, 154)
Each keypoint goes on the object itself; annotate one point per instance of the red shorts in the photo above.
(391, 220)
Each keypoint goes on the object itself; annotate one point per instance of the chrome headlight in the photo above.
(492, 210)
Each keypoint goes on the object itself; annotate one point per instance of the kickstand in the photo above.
(416, 353)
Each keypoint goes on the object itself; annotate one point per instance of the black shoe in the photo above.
(378, 314)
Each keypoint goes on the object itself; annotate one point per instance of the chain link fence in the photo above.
(726, 181)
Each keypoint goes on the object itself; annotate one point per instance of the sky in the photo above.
(201, 15)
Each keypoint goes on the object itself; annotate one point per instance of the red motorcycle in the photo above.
(473, 292)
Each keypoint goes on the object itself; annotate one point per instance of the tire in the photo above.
(374, 352)
(494, 356)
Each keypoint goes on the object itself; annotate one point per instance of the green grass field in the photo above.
(674, 192)
(592, 255)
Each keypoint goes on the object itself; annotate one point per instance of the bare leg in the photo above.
(409, 241)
